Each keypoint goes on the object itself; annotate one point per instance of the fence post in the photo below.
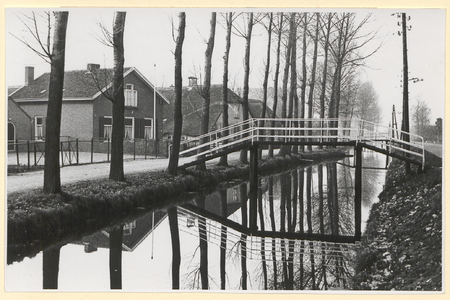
(78, 153)
(17, 151)
(145, 150)
(107, 159)
(28, 153)
(134, 149)
(92, 150)
(70, 156)
(62, 155)
(34, 146)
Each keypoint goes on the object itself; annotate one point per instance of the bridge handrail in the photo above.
(257, 129)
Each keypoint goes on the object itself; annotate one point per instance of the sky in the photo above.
(149, 45)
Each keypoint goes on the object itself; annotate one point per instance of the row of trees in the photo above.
(329, 56)
(317, 56)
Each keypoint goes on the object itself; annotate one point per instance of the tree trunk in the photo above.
(223, 159)
(115, 257)
(223, 239)
(177, 116)
(283, 150)
(118, 127)
(266, 74)
(293, 105)
(262, 228)
(313, 79)
(50, 267)
(303, 92)
(176, 255)
(243, 195)
(275, 82)
(248, 37)
(325, 70)
(272, 223)
(207, 86)
(203, 240)
(52, 177)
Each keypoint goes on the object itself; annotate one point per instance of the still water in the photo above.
(217, 249)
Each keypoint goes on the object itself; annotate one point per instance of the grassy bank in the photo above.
(402, 244)
(37, 221)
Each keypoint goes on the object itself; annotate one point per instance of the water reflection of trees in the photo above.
(317, 200)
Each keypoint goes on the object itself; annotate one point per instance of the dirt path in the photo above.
(70, 174)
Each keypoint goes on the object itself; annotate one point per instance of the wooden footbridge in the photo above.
(325, 132)
(253, 133)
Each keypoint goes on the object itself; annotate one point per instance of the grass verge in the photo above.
(402, 244)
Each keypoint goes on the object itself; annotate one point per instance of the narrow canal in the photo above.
(304, 219)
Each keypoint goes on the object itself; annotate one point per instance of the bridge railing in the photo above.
(392, 139)
(302, 130)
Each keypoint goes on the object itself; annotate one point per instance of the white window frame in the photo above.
(149, 128)
(38, 137)
(131, 95)
(132, 129)
(105, 131)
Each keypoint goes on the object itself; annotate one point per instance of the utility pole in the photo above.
(405, 120)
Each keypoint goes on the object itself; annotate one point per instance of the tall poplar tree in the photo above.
(205, 91)
(177, 116)
(52, 175)
(118, 97)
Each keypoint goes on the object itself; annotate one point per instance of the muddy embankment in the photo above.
(37, 221)
(402, 245)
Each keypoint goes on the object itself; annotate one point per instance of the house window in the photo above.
(107, 128)
(129, 128)
(148, 129)
(128, 228)
(130, 95)
(38, 128)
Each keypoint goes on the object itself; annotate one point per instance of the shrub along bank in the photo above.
(37, 221)
(402, 244)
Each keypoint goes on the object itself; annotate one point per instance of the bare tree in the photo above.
(285, 150)
(367, 106)
(267, 67)
(229, 19)
(421, 117)
(205, 91)
(118, 119)
(52, 177)
(313, 75)
(266, 71)
(248, 36)
(326, 34)
(177, 116)
(277, 71)
(55, 56)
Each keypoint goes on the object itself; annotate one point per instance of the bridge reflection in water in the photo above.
(304, 239)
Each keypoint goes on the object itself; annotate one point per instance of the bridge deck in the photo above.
(325, 132)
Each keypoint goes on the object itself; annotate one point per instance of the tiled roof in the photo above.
(255, 108)
(79, 84)
(192, 106)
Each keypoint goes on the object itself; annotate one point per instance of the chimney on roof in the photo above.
(192, 81)
(93, 67)
(29, 75)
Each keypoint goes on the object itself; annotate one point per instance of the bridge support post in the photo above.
(358, 190)
(253, 186)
